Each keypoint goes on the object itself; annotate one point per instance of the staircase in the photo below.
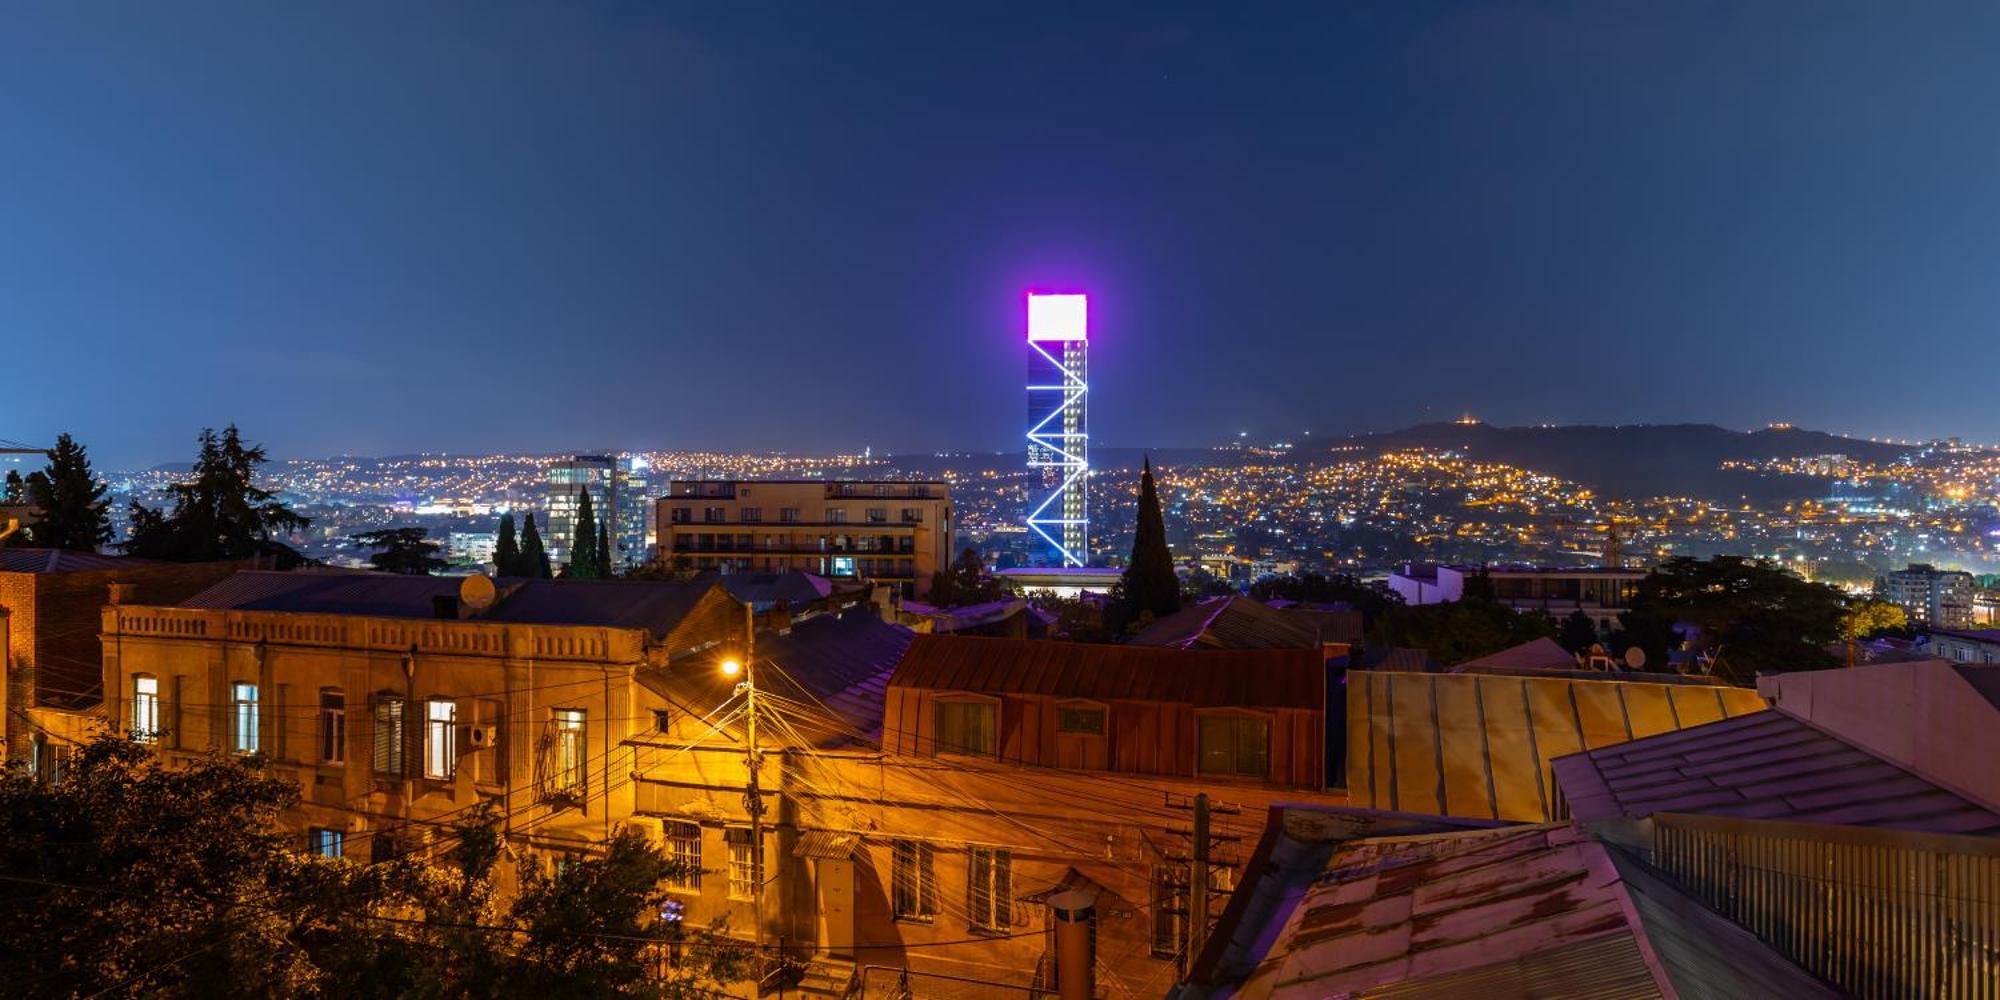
(826, 976)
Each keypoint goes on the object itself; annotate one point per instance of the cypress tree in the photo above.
(583, 541)
(603, 552)
(534, 558)
(1149, 583)
(507, 549)
(74, 514)
(13, 491)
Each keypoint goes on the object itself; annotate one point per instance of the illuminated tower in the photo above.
(1058, 424)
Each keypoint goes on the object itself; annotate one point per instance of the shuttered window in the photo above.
(388, 736)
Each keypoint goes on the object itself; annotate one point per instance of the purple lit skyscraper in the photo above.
(1058, 424)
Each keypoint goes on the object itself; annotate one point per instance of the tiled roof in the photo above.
(31, 560)
(1768, 765)
(1513, 912)
(1235, 622)
(1263, 678)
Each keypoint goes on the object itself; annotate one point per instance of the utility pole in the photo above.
(1198, 882)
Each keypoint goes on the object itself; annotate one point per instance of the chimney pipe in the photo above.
(1075, 975)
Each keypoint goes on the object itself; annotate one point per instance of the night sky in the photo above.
(808, 226)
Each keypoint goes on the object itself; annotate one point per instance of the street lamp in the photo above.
(753, 798)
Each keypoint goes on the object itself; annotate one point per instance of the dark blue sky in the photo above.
(807, 226)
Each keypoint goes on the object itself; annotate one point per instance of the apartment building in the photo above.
(892, 532)
(1601, 592)
(1931, 597)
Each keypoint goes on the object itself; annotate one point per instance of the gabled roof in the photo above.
(1264, 678)
(1232, 622)
(764, 590)
(1511, 912)
(635, 604)
(32, 560)
(1534, 656)
(1768, 765)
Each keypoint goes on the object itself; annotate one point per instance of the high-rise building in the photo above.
(1058, 424)
(568, 481)
(1932, 597)
(892, 532)
(633, 535)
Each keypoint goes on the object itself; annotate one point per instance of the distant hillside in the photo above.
(1640, 460)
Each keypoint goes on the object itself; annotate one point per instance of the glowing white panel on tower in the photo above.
(1057, 317)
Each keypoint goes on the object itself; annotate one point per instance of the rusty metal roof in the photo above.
(827, 845)
(1264, 678)
(1538, 911)
(1768, 765)
(1234, 622)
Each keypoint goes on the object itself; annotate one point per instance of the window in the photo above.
(878, 515)
(567, 770)
(440, 739)
(681, 515)
(913, 881)
(913, 515)
(327, 843)
(243, 718)
(965, 727)
(332, 726)
(836, 515)
(388, 736)
(684, 847)
(751, 515)
(1235, 744)
(714, 514)
(663, 721)
(746, 869)
(788, 514)
(989, 897)
(146, 707)
(1081, 719)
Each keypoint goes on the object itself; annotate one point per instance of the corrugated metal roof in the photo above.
(1234, 622)
(654, 605)
(830, 845)
(1538, 911)
(1768, 765)
(32, 560)
(1265, 678)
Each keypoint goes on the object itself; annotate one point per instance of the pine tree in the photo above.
(583, 541)
(507, 549)
(1149, 583)
(534, 558)
(219, 511)
(408, 551)
(603, 553)
(73, 512)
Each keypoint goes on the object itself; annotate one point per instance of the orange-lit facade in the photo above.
(891, 532)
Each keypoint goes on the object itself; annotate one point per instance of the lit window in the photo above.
(243, 718)
(146, 707)
(913, 881)
(684, 847)
(989, 897)
(328, 843)
(965, 727)
(441, 740)
(746, 869)
(388, 736)
(332, 726)
(567, 767)
(1235, 745)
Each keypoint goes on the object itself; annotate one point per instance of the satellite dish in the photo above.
(1635, 658)
(477, 592)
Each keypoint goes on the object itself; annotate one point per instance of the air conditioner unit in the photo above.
(481, 737)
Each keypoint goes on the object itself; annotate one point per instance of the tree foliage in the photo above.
(219, 511)
(1579, 632)
(71, 510)
(604, 570)
(966, 582)
(1752, 616)
(1149, 585)
(583, 541)
(1320, 588)
(507, 548)
(534, 558)
(1461, 630)
(13, 490)
(408, 551)
(1869, 616)
(132, 878)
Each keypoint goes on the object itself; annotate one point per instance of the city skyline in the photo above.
(385, 232)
